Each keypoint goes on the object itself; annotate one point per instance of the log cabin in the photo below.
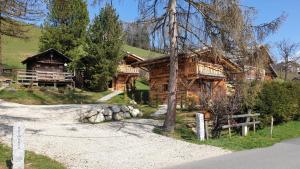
(46, 68)
(200, 74)
(126, 74)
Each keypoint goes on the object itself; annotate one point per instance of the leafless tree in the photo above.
(182, 25)
(15, 15)
(287, 51)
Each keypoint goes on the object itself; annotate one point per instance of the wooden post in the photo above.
(272, 123)
(200, 126)
(254, 125)
(229, 128)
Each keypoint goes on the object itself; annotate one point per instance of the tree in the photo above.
(65, 27)
(287, 51)
(105, 39)
(137, 35)
(185, 25)
(15, 15)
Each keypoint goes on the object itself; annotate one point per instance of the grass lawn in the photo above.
(146, 54)
(236, 143)
(32, 160)
(48, 97)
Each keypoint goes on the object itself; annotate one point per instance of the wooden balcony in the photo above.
(208, 69)
(127, 69)
(34, 77)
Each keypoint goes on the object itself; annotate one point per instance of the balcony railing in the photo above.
(209, 69)
(43, 76)
(127, 69)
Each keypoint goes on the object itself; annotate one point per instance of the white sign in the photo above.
(18, 146)
(200, 126)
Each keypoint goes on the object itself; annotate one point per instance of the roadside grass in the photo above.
(32, 160)
(37, 96)
(259, 139)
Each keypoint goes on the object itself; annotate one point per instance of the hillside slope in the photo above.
(16, 50)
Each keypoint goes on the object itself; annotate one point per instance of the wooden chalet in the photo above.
(261, 68)
(126, 74)
(199, 74)
(46, 68)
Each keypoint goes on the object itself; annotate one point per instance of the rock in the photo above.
(108, 118)
(97, 118)
(191, 125)
(134, 112)
(132, 102)
(124, 108)
(127, 115)
(12, 90)
(90, 113)
(107, 112)
(117, 116)
(115, 109)
(194, 130)
(140, 114)
(130, 108)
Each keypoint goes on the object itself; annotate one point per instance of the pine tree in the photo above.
(105, 39)
(65, 27)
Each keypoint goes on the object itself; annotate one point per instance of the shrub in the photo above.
(280, 100)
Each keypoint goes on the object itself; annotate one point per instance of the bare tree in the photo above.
(287, 51)
(182, 25)
(14, 17)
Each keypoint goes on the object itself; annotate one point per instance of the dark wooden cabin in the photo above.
(46, 68)
(200, 73)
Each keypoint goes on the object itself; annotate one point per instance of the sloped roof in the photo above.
(49, 51)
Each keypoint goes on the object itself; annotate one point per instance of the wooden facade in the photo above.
(48, 67)
(200, 74)
(126, 74)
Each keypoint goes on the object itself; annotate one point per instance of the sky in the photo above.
(267, 11)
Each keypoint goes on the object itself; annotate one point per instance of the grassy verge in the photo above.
(37, 96)
(32, 160)
(236, 143)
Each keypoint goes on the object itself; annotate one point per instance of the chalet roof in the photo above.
(138, 58)
(196, 53)
(46, 52)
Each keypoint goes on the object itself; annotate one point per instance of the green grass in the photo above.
(48, 97)
(146, 54)
(16, 50)
(259, 139)
(141, 86)
(32, 160)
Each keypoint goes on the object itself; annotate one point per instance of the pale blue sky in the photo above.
(267, 10)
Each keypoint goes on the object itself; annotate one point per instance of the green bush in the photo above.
(280, 100)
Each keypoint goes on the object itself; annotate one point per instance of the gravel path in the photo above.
(55, 132)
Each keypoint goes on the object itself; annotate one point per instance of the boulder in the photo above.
(107, 112)
(132, 102)
(127, 115)
(124, 108)
(115, 109)
(97, 118)
(140, 114)
(108, 118)
(130, 108)
(117, 116)
(134, 112)
(90, 113)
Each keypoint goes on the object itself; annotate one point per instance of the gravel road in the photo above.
(54, 131)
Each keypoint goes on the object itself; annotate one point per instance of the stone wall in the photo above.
(102, 113)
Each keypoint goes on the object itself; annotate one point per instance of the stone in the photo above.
(108, 118)
(107, 112)
(115, 109)
(132, 102)
(200, 126)
(90, 113)
(130, 108)
(140, 114)
(191, 125)
(127, 115)
(134, 112)
(124, 108)
(18, 146)
(97, 118)
(117, 117)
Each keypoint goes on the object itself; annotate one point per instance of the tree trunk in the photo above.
(169, 124)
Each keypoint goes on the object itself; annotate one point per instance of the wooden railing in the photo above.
(43, 76)
(208, 69)
(127, 69)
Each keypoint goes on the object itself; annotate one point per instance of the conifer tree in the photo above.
(105, 39)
